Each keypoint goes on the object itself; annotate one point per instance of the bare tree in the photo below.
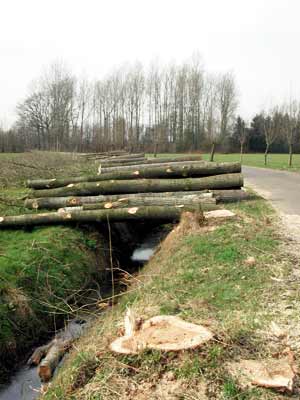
(291, 120)
(272, 124)
(177, 108)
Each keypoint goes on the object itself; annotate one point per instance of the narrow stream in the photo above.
(25, 383)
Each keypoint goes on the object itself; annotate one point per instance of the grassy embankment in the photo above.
(200, 275)
(41, 267)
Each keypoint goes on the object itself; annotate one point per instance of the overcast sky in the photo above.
(258, 40)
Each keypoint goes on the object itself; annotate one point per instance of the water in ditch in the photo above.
(25, 383)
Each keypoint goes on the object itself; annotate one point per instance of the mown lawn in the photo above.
(275, 161)
(203, 277)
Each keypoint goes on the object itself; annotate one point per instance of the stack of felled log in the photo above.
(152, 188)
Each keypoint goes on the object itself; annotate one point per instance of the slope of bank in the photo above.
(40, 270)
(224, 276)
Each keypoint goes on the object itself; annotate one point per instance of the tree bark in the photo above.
(50, 362)
(38, 354)
(106, 154)
(190, 157)
(266, 153)
(212, 153)
(242, 152)
(110, 162)
(172, 170)
(151, 162)
(204, 204)
(224, 181)
(101, 216)
(231, 196)
(123, 157)
(53, 203)
(290, 155)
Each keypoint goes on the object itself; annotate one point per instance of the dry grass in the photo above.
(16, 168)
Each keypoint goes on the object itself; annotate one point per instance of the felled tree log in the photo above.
(144, 185)
(38, 354)
(167, 213)
(106, 153)
(159, 160)
(231, 196)
(172, 170)
(204, 204)
(53, 203)
(50, 362)
(122, 156)
(163, 214)
(121, 161)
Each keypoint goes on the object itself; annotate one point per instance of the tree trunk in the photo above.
(53, 203)
(266, 153)
(231, 196)
(172, 170)
(110, 162)
(204, 204)
(161, 160)
(242, 153)
(212, 152)
(107, 153)
(290, 155)
(123, 214)
(224, 181)
(133, 168)
(121, 157)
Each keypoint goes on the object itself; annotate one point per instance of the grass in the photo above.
(275, 161)
(40, 267)
(201, 276)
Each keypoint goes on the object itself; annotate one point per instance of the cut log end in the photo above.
(133, 210)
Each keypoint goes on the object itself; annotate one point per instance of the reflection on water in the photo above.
(147, 248)
(24, 385)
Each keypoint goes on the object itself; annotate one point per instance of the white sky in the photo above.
(256, 39)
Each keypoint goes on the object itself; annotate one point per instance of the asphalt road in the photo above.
(282, 188)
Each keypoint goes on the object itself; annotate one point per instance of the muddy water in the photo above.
(25, 384)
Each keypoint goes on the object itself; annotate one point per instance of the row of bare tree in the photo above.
(279, 124)
(173, 108)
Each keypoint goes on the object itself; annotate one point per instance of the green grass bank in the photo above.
(201, 275)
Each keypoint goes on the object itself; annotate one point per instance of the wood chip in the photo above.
(219, 214)
(271, 373)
